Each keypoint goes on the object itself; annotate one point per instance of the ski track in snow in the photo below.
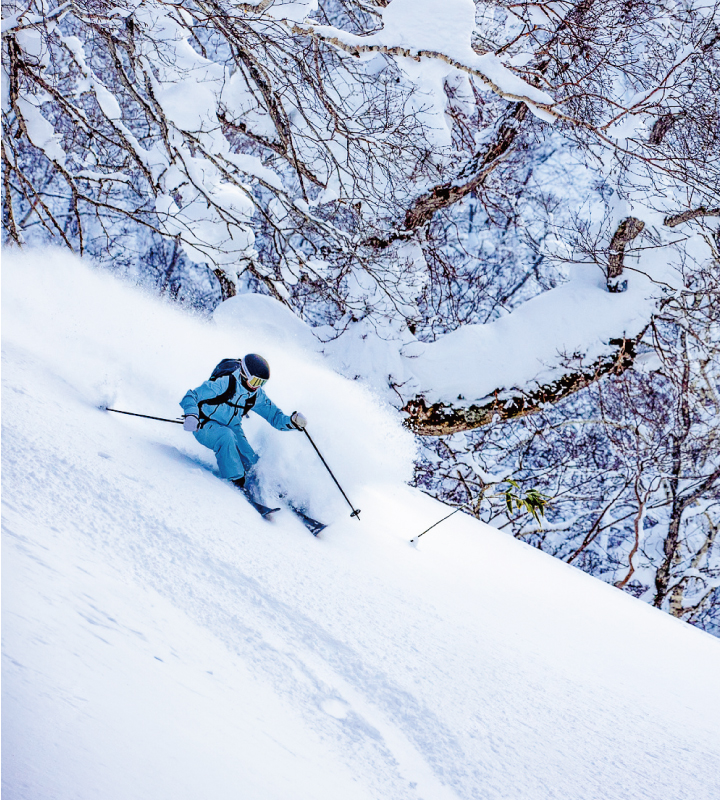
(160, 640)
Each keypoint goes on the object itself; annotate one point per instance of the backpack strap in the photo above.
(249, 403)
(223, 397)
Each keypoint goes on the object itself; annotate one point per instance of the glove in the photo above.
(298, 420)
(191, 423)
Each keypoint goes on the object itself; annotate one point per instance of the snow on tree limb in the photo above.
(440, 419)
(493, 74)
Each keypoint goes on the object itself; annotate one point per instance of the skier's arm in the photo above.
(205, 391)
(269, 411)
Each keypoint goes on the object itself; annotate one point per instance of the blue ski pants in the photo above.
(232, 450)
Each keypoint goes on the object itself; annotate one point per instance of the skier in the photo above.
(214, 412)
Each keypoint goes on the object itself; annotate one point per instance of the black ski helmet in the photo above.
(255, 370)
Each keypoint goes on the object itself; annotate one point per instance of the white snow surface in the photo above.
(163, 641)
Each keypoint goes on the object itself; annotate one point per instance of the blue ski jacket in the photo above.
(221, 425)
(231, 412)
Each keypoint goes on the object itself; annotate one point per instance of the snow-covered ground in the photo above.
(162, 641)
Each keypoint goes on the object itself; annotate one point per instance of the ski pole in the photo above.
(145, 416)
(436, 523)
(355, 511)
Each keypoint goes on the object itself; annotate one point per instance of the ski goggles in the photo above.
(252, 380)
(255, 383)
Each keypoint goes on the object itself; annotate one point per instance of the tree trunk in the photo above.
(227, 287)
(626, 231)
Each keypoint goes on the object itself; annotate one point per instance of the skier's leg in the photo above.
(247, 454)
(223, 442)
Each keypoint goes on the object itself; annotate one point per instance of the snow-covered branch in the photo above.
(442, 419)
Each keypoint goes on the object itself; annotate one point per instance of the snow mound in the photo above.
(162, 641)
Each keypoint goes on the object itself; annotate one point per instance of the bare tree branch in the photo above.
(685, 216)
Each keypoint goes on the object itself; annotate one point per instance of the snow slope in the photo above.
(162, 641)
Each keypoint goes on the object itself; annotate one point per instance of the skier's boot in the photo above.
(264, 511)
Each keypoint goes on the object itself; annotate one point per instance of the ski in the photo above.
(264, 511)
(311, 524)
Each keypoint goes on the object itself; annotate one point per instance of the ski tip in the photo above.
(266, 514)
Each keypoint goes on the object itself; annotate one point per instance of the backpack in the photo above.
(226, 367)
